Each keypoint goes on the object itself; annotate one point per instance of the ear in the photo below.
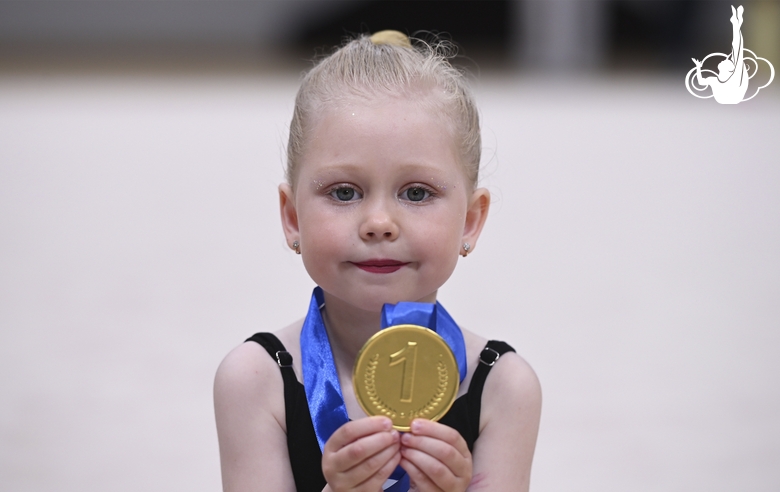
(289, 214)
(476, 214)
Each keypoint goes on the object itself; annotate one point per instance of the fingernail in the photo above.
(405, 438)
(394, 434)
(416, 426)
(387, 424)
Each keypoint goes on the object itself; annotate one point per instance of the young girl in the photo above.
(380, 201)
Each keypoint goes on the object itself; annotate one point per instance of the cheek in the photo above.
(439, 237)
(324, 233)
(320, 244)
(449, 223)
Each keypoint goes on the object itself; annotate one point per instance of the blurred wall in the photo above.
(531, 34)
(89, 22)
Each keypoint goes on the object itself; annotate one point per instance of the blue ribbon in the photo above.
(402, 485)
(321, 381)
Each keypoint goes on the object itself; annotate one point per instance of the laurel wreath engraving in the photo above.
(370, 381)
(441, 388)
(383, 408)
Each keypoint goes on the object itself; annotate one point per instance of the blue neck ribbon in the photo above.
(321, 381)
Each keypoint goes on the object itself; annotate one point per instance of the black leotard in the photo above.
(305, 454)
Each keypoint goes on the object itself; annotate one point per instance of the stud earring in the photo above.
(466, 248)
(297, 246)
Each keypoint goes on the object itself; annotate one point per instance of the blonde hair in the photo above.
(388, 63)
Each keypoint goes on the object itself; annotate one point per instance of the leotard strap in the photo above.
(487, 358)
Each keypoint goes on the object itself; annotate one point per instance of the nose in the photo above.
(378, 224)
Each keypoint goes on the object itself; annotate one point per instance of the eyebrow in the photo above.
(347, 167)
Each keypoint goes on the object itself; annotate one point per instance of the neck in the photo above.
(348, 327)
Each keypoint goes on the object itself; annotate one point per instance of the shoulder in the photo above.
(510, 413)
(249, 377)
(250, 414)
(513, 382)
(511, 373)
(511, 386)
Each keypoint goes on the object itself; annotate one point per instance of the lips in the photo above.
(380, 266)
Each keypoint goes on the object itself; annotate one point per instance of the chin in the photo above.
(372, 300)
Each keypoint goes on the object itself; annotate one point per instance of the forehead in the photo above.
(425, 96)
(387, 129)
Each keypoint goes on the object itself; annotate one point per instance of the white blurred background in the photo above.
(632, 254)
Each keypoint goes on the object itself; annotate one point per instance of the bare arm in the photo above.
(511, 408)
(249, 409)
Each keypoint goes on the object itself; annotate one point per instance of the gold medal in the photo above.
(406, 372)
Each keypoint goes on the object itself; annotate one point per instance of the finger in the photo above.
(441, 451)
(380, 476)
(354, 430)
(369, 464)
(436, 473)
(417, 477)
(435, 430)
(365, 448)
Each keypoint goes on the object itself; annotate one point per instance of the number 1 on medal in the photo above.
(407, 376)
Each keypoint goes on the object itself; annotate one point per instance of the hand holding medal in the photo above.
(412, 369)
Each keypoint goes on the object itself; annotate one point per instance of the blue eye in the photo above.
(416, 194)
(345, 194)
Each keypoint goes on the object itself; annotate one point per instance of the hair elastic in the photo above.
(391, 37)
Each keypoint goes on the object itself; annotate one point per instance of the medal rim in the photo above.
(384, 332)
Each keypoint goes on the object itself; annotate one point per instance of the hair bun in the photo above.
(394, 38)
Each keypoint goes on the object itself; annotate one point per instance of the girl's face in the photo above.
(382, 205)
